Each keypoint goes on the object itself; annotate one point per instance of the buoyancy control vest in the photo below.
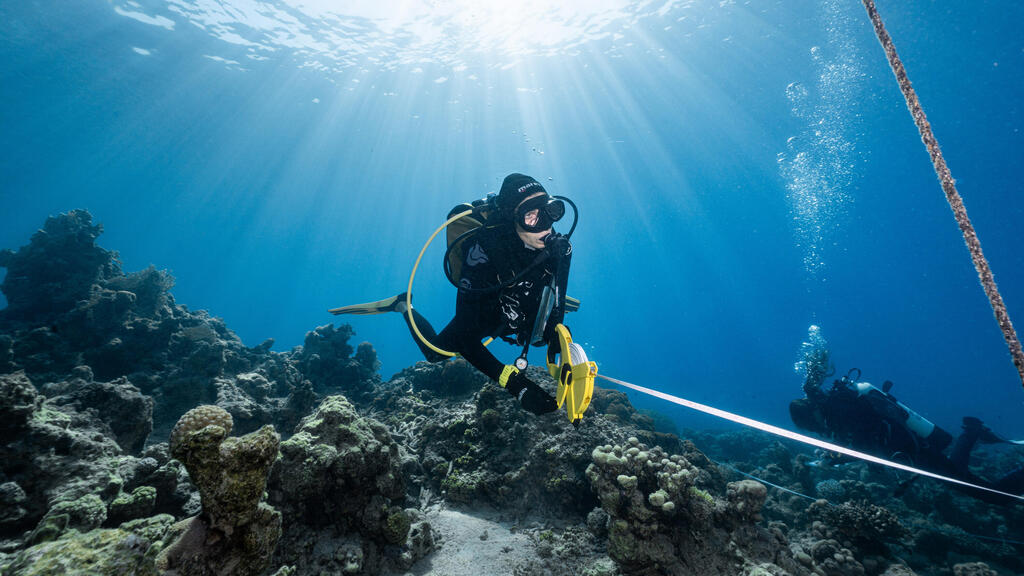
(885, 405)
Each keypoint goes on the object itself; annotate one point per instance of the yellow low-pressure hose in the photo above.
(408, 292)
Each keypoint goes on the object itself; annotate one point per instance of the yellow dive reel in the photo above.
(574, 373)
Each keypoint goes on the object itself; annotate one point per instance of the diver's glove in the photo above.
(533, 398)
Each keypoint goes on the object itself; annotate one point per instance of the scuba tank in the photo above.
(476, 216)
(889, 407)
(460, 230)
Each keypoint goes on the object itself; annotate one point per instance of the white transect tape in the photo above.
(576, 354)
(800, 437)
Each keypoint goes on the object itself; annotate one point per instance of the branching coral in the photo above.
(831, 490)
(643, 490)
(863, 524)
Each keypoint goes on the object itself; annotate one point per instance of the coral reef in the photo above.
(830, 489)
(235, 532)
(73, 316)
(128, 549)
(339, 479)
(326, 359)
(662, 521)
(861, 524)
(484, 449)
(57, 269)
(97, 366)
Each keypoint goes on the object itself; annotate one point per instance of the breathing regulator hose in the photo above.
(412, 276)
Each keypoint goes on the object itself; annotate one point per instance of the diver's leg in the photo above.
(1012, 483)
(961, 454)
(428, 333)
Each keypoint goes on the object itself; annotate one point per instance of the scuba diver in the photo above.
(859, 415)
(511, 269)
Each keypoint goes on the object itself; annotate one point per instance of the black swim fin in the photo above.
(985, 434)
(378, 307)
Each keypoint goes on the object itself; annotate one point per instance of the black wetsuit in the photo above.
(493, 256)
(873, 423)
(876, 425)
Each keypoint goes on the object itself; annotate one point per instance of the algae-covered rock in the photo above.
(53, 460)
(12, 500)
(83, 514)
(231, 473)
(334, 465)
(235, 533)
(18, 400)
(138, 504)
(337, 481)
(193, 548)
(118, 404)
(397, 525)
(129, 549)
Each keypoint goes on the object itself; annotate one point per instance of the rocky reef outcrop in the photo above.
(339, 483)
(129, 549)
(56, 270)
(73, 311)
(58, 468)
(235, 533)
(98, 367)
(470, 442)
(661, 519)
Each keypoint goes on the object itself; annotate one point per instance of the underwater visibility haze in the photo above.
(743, 170)
(754, 203)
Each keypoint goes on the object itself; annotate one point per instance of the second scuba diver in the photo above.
(856, 414)
(505, 267)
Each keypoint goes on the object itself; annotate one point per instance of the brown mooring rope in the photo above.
(949, 187)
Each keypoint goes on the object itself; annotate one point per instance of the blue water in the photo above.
(743, 170)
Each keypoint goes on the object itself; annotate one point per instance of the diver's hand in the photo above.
(551, 337)
(533, 398)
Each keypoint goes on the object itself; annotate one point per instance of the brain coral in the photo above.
(198, 418)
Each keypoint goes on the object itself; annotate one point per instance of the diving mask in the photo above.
(539, 213)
